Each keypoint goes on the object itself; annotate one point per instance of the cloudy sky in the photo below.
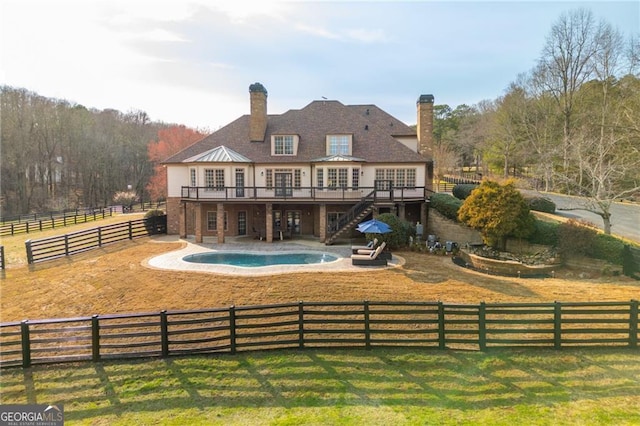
(191, 62)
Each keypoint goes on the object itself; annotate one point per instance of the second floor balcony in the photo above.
(382, 191)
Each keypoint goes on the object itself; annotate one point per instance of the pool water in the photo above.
(253, 260)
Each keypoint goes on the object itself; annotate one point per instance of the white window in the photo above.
(339, 145)
(284, 144)
(192, 175)
(214, 179)
(320, 178)
(355, 178)
(212, 221)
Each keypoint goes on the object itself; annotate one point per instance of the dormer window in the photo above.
(339, 144)
(284, 145)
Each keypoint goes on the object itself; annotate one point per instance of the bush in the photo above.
(463, 190)
(541, 204)
(447, 205)
(153, 213)
(399, 237)
(125, 198)
(544, 233)
(498, 212)
(575, 237)
(609, 248)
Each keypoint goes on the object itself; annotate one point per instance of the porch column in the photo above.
(198, 224)
(182, 220)
(220, 222)
(424, 212)
(323, 222)
(401, 211)
(268, 217)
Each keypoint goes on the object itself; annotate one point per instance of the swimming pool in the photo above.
(256, 260)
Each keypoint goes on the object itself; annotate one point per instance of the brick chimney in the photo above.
(258, 118)
(425, 125)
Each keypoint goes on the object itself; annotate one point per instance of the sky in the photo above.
(191, 61)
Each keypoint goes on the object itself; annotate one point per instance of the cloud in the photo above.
(367, 36)
(318, 31)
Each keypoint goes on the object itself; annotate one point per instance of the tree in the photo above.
(566, 63)
(170, 141)
(498, 212)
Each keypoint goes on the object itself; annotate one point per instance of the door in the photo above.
(242, 223)
(293, 222)
(239, 182)
(284, 184)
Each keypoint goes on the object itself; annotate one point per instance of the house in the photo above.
(319, 171)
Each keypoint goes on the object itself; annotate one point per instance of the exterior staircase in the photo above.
(351, 219)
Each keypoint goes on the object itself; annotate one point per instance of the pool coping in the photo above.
(172, 261)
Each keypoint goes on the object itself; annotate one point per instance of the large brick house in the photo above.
(316, 171)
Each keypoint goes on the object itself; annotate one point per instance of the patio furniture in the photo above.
(370, 246)
(372, 259)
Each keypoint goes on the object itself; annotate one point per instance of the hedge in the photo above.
(446, 204)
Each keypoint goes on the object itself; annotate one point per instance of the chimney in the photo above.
(425, 125)
(258, 118)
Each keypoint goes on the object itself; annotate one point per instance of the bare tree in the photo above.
(566, 63)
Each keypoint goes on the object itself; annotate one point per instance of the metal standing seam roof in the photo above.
(338, 157)
(219, 154)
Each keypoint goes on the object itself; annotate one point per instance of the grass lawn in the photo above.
(321, 386)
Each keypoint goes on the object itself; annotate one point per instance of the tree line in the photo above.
(571, 124)
(58, 155)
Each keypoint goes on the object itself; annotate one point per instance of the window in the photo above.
(269, 179)
(192, 175)
(297, 179)
(332, 178)
(339, 145)
(355, 178)
(214, 179)
(284, 145)
(343, 178)
(320, 178)
(338, 178)
(212, 221)
(398, 177)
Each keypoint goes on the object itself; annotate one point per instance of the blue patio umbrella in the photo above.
(374, 226)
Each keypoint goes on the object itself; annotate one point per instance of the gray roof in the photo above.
(372, 129)
(219, 154)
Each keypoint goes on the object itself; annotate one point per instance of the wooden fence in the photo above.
(68, 244)
(320, 325)
(42, 223)
(631, 261)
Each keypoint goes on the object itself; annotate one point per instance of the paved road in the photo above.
(625, 217)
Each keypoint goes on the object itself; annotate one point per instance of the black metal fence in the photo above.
(320, 325)
(68, 244)
(2, 263)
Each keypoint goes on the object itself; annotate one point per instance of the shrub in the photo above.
(609, 248)
(153, 213)
(446, 204)
(125, 198)
(544, 233)
(498, 212)
(401, 231)
(576, 237)
(463, 190)
(541, 204)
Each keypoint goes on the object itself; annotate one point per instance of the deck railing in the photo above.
(232, 193)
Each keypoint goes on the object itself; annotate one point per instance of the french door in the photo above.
(283, 184)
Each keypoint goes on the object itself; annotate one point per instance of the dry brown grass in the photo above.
(115, 280)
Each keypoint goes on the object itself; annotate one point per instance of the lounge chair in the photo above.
(368, 251)
(369, 259)
(370, 246)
